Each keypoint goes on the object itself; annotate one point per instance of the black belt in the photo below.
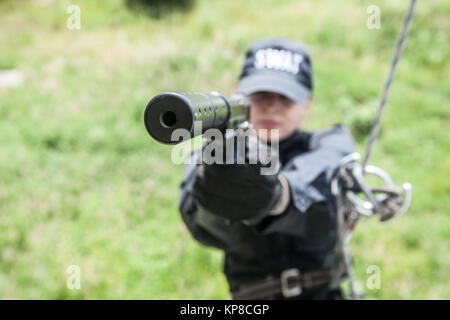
(291, 283)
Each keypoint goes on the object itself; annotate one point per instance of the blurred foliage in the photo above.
(81, 182)
(358, 118)
(159, 8)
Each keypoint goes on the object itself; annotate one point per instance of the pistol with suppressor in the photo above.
(169, 111)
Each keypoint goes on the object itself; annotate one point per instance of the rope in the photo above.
(398, 52)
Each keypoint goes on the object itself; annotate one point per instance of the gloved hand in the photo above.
(239, 192)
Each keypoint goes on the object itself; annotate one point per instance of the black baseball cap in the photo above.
(277, 65)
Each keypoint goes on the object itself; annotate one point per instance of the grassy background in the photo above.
(81, 182)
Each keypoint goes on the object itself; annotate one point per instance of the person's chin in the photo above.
(270, 125)
(268, 135)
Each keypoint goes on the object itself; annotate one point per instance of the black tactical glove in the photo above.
(239, 192)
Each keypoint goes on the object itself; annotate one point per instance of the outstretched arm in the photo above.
(310, 213)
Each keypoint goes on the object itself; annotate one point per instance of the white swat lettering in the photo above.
(275, 59)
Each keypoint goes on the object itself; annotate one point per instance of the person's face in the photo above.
(269, 110)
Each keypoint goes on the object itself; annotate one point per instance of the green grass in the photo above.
(81, 182)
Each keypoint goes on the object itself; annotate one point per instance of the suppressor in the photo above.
(169, 111)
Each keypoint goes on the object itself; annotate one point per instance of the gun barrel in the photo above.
(169, 111)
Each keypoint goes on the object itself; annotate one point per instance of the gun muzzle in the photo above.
(170, 111)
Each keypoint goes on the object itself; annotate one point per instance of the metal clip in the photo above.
(287, 291)
(389, 201)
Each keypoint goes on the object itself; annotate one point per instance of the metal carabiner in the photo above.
(388, 201)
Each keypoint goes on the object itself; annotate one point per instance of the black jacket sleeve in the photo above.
(206, 228)
(309, 214)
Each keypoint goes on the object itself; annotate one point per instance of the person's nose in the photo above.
(276, 105)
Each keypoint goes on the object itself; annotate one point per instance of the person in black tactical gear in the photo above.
(278, 231)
